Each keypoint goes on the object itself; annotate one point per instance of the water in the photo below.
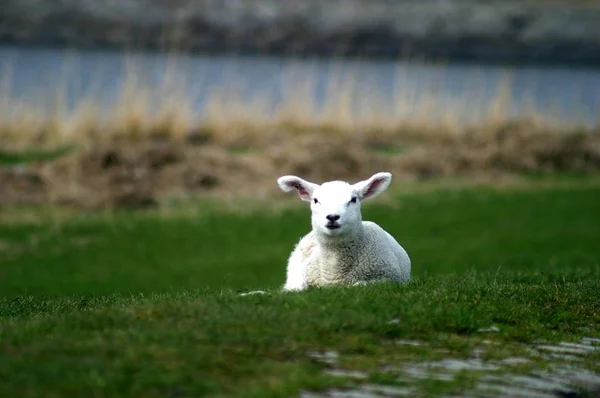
(37, 75)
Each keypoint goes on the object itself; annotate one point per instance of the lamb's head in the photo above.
(335, 205)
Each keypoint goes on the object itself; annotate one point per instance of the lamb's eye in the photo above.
(353, 200)
(315, 200)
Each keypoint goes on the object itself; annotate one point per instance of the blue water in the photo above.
(38, 74)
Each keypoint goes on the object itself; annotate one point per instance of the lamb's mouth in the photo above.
(332, 226)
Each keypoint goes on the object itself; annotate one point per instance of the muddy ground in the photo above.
(135, 174)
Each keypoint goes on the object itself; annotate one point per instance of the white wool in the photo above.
(342, 249)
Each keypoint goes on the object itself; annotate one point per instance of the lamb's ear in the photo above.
(304, 188)
(373, 186)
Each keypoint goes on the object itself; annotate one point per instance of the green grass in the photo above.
(142, 304)
(33, 155)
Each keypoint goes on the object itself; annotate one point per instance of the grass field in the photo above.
(148, 303)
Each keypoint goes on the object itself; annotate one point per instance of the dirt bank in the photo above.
(508, 30)
(140, 174)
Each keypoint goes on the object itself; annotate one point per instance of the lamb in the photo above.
(342, 249)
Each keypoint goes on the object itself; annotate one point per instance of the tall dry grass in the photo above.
(142, 109)
(349, 128)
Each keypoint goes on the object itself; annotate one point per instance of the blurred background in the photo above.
(125, 102)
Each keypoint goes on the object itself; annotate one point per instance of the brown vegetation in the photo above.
(142, 152)
(138, 174)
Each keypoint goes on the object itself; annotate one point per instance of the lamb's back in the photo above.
(382, 256)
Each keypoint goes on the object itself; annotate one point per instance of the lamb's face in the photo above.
(335, 209)
(335, 205)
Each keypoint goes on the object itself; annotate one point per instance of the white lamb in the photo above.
(342, 249)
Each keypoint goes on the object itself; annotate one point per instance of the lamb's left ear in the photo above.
(373, 186)
(304, 188)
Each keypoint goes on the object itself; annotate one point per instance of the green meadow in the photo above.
(150, 303)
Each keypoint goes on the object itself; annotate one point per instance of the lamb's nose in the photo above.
(333, 217)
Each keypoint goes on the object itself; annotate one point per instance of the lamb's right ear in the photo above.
(375, 185)
(304, 188)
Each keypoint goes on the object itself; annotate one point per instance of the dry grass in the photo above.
(143, 109)
(150, 141)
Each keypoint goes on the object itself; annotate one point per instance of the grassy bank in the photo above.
(147, 303)
(150, 143)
